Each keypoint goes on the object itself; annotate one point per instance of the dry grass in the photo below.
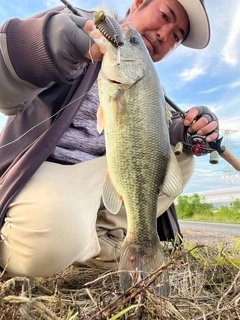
(205, 284)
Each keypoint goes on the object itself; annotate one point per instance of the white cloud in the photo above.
(235, 84)
(53, 3)
(120, 6)
(191, 74)
(230, 52)
(232, 85)
(211, 90)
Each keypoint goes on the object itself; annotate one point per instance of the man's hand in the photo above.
(69, 43)
(94, 52)
(202, 121)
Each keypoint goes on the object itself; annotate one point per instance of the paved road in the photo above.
(209, 231)
(221, 228)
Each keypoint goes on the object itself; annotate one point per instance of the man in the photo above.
(52, 158)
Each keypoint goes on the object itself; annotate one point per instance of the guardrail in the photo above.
(226, 195)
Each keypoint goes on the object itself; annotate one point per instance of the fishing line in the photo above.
(53, 115)
(89, 50)
(118, 56)
(111, 33)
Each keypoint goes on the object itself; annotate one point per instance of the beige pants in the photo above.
(58, 219)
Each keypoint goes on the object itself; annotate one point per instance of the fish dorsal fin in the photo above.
(173, 184)
(111, 198)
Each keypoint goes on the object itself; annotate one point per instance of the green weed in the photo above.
(194, 208)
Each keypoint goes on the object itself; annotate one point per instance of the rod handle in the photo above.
(230, 158)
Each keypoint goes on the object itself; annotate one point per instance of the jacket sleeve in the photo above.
(37, 52)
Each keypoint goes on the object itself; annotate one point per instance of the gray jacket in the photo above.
(34, 86)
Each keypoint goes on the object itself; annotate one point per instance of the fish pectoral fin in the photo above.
(173, 183)
(120, 110)
(100, 119)
(111, 198)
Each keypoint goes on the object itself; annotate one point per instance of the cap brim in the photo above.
(199, 33)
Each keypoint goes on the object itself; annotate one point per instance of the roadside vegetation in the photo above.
(194, 208)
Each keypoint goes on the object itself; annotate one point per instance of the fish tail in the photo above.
(138, 262)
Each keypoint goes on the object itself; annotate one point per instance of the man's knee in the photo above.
(42, 253)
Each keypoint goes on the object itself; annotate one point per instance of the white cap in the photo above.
(199, 33)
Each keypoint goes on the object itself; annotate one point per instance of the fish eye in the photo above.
(134, 40)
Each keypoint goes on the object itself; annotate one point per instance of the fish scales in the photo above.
(132, 113)
(138, 152)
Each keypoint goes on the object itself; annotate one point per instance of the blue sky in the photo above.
(191, 77)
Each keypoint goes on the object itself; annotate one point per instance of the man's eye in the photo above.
(164, 16)
(176, 37)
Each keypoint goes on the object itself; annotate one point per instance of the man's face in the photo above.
(163, 24)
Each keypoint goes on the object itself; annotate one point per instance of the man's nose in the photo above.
(162, 38)
(164, 33)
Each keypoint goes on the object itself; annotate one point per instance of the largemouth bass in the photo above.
(140, 160)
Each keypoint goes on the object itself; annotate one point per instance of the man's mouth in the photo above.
(148, 45)
(151, 45)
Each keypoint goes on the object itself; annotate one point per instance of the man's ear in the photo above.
(135, 5)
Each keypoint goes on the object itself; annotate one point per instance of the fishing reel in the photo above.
(198, 145)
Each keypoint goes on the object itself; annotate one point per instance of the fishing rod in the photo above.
(71, 7)
(197, 144)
